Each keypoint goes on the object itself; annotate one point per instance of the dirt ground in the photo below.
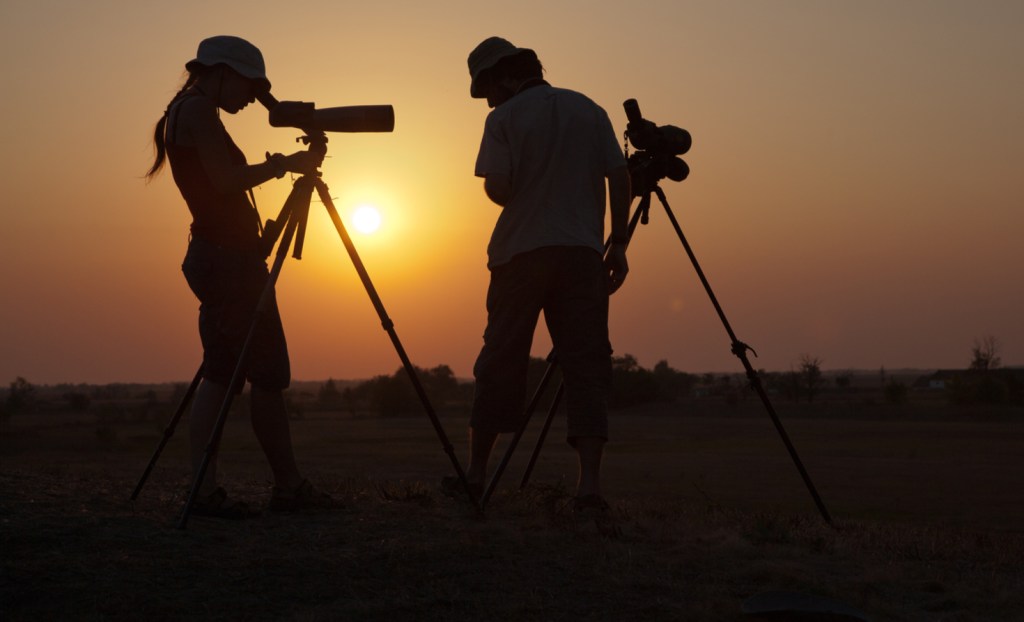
(929, 525)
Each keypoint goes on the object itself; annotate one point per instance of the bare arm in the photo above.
(619, 198)
(198, 126)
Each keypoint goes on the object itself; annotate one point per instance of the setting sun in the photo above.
(366, 219)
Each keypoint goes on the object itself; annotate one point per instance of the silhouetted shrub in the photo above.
(632, 384)
(20, 396)
(395, 395)
(981, 387)
(329, 397)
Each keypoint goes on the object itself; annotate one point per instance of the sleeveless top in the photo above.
(227, 220)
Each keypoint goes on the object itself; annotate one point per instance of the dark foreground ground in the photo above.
(929, 525)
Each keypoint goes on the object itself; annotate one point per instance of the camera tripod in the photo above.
(291, 226)
(738, 348)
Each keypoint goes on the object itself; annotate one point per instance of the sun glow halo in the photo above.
(366, 219)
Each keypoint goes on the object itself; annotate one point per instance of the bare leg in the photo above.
(203, 418)
(480, 446)
(590, 450)
(270, 423)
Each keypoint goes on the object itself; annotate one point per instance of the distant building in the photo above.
(937, 380)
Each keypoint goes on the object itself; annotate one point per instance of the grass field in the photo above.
(929, 521)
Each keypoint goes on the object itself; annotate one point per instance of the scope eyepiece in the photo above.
(632, 111)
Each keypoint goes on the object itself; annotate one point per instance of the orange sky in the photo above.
(856, 190)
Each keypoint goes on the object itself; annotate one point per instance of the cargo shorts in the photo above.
(570, 285)
(228, 284)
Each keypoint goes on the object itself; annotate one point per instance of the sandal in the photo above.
(594, 509)
(302, 497)
(217, 505)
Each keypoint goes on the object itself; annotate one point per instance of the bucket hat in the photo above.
(487, 55)
(235, 52)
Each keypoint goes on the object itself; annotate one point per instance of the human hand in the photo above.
(303, 162)
(617, 266)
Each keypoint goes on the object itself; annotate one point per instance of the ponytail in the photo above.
(159, 141)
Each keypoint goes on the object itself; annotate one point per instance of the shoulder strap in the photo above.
(259, 219)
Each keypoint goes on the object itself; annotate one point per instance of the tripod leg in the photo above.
(169, 431)
(543, 435)
(740, 350)
(389, 327)
(302, 191)
(500, 470)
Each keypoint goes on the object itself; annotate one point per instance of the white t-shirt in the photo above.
(557, 146)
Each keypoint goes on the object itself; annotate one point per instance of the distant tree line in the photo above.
(394, 394)
(983, 382)
(117, 400)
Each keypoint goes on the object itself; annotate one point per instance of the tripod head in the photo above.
(658, 151)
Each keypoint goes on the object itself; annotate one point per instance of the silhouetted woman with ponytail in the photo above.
(225, 268)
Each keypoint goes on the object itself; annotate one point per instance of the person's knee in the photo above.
(589, 421)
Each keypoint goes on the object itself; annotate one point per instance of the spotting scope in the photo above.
(307, 117)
